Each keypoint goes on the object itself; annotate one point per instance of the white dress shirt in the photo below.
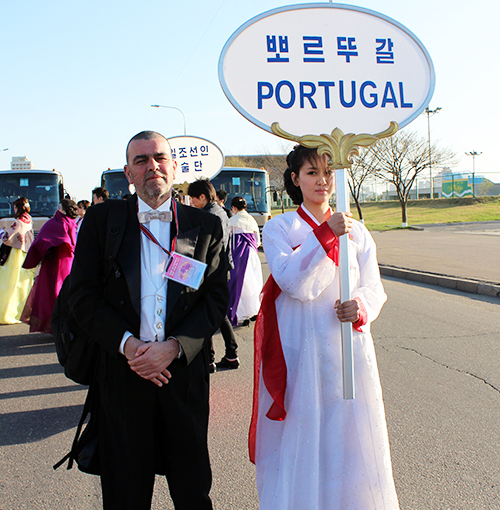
(153, 283)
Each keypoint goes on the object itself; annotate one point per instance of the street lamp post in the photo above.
(473, 154)
(3, 150)
(429, 113)
(172, 108)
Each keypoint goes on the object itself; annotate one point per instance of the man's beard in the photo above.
(155, 190)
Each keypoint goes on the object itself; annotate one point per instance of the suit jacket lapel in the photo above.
(185, 245)
(131, 251)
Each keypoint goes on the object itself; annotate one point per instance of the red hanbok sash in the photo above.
(268, 351)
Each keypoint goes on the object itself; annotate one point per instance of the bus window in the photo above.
(42, 189)
(250, 185)
(116, 183)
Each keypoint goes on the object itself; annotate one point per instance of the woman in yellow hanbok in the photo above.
(16, 282)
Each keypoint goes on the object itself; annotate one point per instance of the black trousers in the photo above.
(146, 430)
(229, 341)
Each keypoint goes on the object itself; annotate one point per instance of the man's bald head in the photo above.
(144, 135)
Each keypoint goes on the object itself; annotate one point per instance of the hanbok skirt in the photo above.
(249, 303)
(245, 282)
(15, 286)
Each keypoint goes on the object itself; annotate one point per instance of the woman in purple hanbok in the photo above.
(245, 282)
(54, 247)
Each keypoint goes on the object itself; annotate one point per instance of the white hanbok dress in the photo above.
(329, 453)
(248, 303)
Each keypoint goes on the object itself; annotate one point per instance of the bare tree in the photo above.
(401, 158)
(483, 187)
(357, 174)
(274, 164)
(236, 161)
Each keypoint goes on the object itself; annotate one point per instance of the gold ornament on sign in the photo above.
(182, 187)
(338, 147)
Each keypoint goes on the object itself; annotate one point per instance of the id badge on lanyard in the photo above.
(180, 268)
(185, 270)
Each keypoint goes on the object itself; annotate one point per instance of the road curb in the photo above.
(451, 282)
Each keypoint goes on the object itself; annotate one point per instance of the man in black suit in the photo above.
(221, 200)
(203, 197)
(153, 375)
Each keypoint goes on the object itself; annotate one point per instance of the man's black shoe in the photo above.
(227, 364)
(211, 368)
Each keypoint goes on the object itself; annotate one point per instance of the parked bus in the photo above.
(116, 182)
(43, 188)
(250, 183)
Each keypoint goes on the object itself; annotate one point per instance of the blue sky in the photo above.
(79, 78)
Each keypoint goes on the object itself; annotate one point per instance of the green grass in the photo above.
(387, 215)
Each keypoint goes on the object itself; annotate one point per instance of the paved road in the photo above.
(464, 250)
(438, 353)
(439, 358)
(462, 256)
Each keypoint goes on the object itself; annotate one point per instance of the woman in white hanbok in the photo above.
(245, 281)
(314, 450)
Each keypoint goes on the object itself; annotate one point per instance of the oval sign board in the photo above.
(315, 67)
(196, 158)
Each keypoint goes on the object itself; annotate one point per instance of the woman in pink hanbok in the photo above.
(54, 247)
(312, 449)
(16, 282)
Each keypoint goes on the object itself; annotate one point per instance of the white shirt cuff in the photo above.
(125, 337)
(181, 352)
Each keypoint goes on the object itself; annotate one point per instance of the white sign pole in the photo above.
(342, 205)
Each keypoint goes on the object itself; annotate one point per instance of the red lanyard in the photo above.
(153, 239)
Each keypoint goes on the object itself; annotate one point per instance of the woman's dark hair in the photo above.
(70, 208)
(295, 160)
(84, 204)
(22, 206)
(239, 202)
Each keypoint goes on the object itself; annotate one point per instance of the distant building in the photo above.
(21, 163)
(446, 184)
(465, 184)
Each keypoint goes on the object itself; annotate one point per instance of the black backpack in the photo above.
(79, 354)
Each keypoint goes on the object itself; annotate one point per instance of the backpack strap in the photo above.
(71, 455)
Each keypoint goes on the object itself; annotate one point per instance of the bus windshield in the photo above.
(43, 190)
(116, 183)
(246, 183)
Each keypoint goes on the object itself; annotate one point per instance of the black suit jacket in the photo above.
(106, 306)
